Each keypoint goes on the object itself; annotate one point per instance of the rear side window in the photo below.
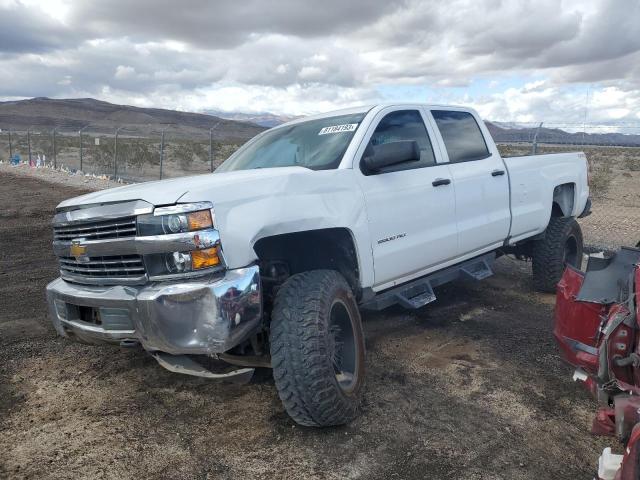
(461, 135)
(404, 125)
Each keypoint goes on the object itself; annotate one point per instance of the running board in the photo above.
(187, 366)
(419, 293)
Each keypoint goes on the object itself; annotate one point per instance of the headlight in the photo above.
(181, 218)
(182, 262)
(178, 262)
(155, 224)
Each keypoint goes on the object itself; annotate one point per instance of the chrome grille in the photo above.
(130, 267)
(98, 230)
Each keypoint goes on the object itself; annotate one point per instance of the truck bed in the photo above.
(532, 180)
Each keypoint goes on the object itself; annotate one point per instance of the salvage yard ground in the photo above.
(470, 387)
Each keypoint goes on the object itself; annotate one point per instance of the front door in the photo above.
(410, 206)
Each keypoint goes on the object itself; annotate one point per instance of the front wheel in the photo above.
(317, 348)
(561, 245)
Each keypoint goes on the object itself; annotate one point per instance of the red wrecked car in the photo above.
(597, 326)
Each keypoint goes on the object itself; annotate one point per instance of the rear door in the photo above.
(481, 182)
(410, 206)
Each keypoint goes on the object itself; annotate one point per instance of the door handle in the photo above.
(440, 181)
(497, 173)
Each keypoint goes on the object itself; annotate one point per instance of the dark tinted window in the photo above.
(404, 125)
(461, 135)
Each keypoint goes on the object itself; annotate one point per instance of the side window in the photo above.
(461, 135)
(404, 125)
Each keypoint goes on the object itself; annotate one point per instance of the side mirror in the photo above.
(379, 156)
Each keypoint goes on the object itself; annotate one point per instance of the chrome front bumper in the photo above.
(201, 316)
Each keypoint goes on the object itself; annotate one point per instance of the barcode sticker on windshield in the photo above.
(347, 127)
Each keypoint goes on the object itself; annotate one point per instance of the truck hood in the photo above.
(167, 192)
(252, 204)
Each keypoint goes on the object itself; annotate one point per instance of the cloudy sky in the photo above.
(514, 60)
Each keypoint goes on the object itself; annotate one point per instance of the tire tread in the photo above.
(548, 252)
(302, 371)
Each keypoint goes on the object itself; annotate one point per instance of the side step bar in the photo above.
(418, 293)
(186, 365)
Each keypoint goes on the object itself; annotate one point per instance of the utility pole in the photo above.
(586, 112)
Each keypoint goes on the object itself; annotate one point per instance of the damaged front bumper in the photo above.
(203, 316)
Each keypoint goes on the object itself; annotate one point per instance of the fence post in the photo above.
(534, 148)
(161, 152)
(80, 134)
(211, 145)
(10, 146)
(115, 155)
(29, 143)
(55, 159)
(211, 149)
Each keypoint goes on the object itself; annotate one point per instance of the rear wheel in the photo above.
(317, 348)
(561, 245)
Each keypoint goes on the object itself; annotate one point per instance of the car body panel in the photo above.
(597, 325)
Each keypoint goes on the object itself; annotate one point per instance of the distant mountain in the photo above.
(514, 133)
(264, 119)
(229, 127)
(76, 113)
(511, 125)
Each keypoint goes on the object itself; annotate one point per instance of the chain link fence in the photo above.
(622, 134)
(145, 153)
(126, 153)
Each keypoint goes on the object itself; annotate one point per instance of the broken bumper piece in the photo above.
(188, 366)
(192, 317)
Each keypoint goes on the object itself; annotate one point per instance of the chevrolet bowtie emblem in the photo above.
(78, 250)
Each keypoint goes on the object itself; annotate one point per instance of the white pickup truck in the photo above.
(267, 261)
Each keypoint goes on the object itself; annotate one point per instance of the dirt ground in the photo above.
(470, 387)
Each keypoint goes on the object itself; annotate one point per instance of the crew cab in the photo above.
(268, 261)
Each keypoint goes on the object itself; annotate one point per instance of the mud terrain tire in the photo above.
(561, 244)
(317, 348)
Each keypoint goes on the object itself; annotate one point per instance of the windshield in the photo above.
(315, 144)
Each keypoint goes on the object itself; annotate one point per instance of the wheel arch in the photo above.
(564, 199)
(325, 248)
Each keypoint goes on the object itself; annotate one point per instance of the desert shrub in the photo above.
(632, 162)
(185, 152)
(138, 152)
(100, 155)
(514, 150)
(601, 176)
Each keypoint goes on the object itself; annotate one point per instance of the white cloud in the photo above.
(554, 104)
(293, 57)
(124, 72)
(294, 100)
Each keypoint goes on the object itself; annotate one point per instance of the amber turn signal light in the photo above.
(199, 220)
(205, 258)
